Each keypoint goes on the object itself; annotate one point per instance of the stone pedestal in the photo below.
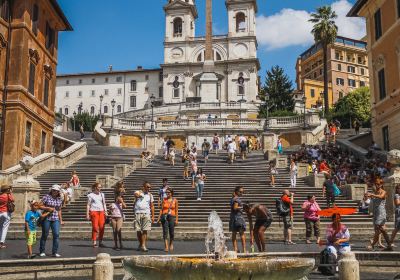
(103, 268)
(152, 143)
(271, 155)
(349, 267)
(123, 170)
(355, 191)
(113, 139)
(107, 181)
(316, 180)
(302, 170)
(391, 182)
(25, 189)
(281, 162)
(269, 141)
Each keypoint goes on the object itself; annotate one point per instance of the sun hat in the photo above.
(5, 188)
(55, 188)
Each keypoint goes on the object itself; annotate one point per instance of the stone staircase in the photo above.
(193, 215)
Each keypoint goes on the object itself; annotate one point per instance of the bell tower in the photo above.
(180, 16)
(242, 17)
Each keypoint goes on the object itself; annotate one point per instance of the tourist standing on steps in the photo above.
(311, 218)
(328, 191)
(237, 224)
(200, 178)
(172, 155)
(272, 172)
(280, 147)
(397, 215)
(170, 143)
(243, 148)
(81, 131)
(168, 218)
(52, 202)
(186, 164)
(144, 215)
(74, 181)
(193, 166)
(293, 173)
(263, 221)
(31, 219)
(231, 152)
(116, 212)
(6, 202)
(379, 215)
(205, 147)
(96, 213)
(165, 149)
(215, 143)
(162, 192)
(288, 199)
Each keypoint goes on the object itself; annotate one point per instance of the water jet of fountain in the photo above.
(215, 232)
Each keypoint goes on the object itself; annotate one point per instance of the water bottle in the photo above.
(252, 248)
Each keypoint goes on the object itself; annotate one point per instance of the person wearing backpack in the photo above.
(328, 191)
(287, 199)
(215, 143)
(206, 146)
(6, 208)
(264, 219)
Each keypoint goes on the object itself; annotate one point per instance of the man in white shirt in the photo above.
(144, 214)
(231, 151)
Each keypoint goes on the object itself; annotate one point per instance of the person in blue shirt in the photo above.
(31, 219)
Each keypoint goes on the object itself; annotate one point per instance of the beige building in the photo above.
(347, 69)
(383, 35)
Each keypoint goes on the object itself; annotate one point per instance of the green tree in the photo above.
(324, 32)
(355, 105)
(279, 89)
(89, 121)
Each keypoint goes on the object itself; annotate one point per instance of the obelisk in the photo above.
(208, 80)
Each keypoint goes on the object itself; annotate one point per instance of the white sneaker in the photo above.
(42, 255)
(56, 255)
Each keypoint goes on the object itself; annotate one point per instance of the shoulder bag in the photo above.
(10, 205)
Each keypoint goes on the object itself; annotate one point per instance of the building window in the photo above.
(398, 8)
(93, 81)
(177, 27)
(146, 77)
(66, 111)
(92, 110)
(378, 24)
(106, 80)
(66, 94)
(240, 22)
(119, 109)
(35, 19)
(382, 84)
(176, 93)
(105, 109)
(119, 79)
(4, 9)
(119, 91)
(340, 94)
(132, 101)
(340, 81)
(362, 71)
(50, 37)
(385, 134)
(160, 92)
(339, 67)
(93, 93)
(362, 84)
(312, 93)
(28, 132)
(106, 92)
(351, 83)
(32, 74)
(80, 94)
(43, 143)
(80, 81)
(337, 56)
(133, 85)
(160, 77)
(351, 69)
(46, 92)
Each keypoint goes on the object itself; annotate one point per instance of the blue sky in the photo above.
(128, 33)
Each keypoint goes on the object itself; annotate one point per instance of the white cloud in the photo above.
(291, 27)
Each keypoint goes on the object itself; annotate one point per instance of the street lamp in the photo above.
(74, 113)
(112, 113)
(101, 104)
(323, 101)
(304, 102)
(152, 99)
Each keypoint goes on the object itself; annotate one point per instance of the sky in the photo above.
(128, 33)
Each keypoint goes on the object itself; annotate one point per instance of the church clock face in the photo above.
(176, 53)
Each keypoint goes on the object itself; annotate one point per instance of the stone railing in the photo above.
(293, 121)
(47, 161)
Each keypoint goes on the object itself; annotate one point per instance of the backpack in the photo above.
(281, 209)
(216, 140)
(327, 263)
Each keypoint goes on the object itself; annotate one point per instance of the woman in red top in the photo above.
(324, 168)
(169, 218)
(74, 179)
(5, 215)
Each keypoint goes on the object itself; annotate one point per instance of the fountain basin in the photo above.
(257, 268)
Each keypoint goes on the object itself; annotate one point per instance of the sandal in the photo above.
(290, 243)
(370, 248)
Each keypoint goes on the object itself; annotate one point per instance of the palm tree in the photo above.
(325, 32)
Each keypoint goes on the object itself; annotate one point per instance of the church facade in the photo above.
(178, 81)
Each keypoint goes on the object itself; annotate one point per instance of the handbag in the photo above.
(107, 218)
(10, 205)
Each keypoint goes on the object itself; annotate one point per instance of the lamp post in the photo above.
(267, 105)
(101, 104)
(152, 99)
(304, 102)
(112, 113)
(74, 113)
(323, 100)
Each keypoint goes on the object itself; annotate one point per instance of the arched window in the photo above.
(200, 57)
(178, 27)
(92, 110)
(66, 111)
(240, 22)
(119, 109)
(133, 85)
(105, 109)
(218, 56)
